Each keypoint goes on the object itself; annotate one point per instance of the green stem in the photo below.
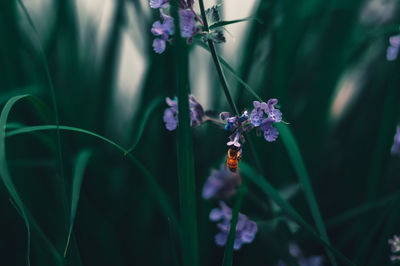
(217, 63)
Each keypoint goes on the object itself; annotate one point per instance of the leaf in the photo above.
(80, 166)
(153, 105)
(229, 22)
(160, 195)
(5, 173)
(270, 191)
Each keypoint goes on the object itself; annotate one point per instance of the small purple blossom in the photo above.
(396, 143)
(295, 251)
(197, 114)
(274, 115)
(159, 3)
(270, 132)
(393, 49)
(239, 125)
(187, 23)
(245, 228)
(164, 30)
(221, 183)
(171, 114)
(394, 248)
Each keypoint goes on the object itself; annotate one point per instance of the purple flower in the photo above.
(187, 23)
(159, 45)
(245, 228)
(170, 118)
(270, 132)
(159, 3)
(257, 118)
(295, 251)
(221, 183)
(164, 30)
(393, 48)
(197, 113)
(238, 125)
(171, 114)
(257, 115)
(394, 247)
(396, 144)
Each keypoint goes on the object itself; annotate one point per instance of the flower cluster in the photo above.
(165, 29)
(396, 144)
(197, 115)
(295, 251)
(395, 248)
(245, 228)
(262, 117)
(393, 49)
(221, 184)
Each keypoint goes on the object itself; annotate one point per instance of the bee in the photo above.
(233, 157)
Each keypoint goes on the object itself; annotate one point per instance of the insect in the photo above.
(234, 156)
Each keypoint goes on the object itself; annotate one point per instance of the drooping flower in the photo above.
(270, 132)
(295, 251)
(197, 114)
(393, 48)
(159, 3)
(396, 143)
(394, 247)
(221, 184)
(245, 228)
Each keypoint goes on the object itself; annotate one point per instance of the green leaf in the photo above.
(301, 171)
(160, 195)
(153, 105)
(5, 173)
(80, 166)
(270, 191)
(228, 254)
(225, 23)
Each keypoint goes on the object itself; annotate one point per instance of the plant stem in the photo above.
(217, 63)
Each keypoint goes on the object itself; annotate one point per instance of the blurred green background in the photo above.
(324, 60)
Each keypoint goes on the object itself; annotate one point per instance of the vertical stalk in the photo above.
(187, 190)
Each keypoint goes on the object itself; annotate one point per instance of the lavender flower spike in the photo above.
(164, 30)
(396, 144)
(245, 228)
(221, 183)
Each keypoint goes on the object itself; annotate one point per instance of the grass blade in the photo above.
(160, 195)
(301, 171)
(186, 173)
(5, 173)
(228, 254)
(153, 105)
(80, 166)
(269, 190)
